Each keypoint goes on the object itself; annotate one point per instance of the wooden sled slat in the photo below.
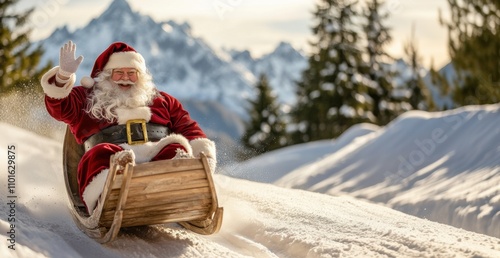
(144, 201)
(166, 191)
(171, 179)
(161, 218)
(159, 185)
(168, 166)
(161, 209)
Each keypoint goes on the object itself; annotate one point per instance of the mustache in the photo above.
(124, 82)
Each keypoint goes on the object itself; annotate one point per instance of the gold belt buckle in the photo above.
(144, 131)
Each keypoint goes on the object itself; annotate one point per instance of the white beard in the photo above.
(107, 97)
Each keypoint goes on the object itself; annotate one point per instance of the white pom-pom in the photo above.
(87, 82)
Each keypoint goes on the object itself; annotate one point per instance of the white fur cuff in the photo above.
(145, 152)
(203, 145)
(52, 90)
(94, 189)
(212, 163)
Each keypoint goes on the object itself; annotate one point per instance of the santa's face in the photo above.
(124, 78)
(120, 88)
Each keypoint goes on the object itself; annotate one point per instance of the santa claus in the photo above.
(118, 111)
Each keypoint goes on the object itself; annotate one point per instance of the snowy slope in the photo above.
(261, 220)
(270, 167)
(442, 166)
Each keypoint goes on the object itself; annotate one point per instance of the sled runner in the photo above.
(180, 190)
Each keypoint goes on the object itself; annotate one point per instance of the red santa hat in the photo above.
(117, 55)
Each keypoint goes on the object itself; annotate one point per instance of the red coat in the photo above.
(165, 110)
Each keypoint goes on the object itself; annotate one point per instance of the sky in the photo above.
(257, 25)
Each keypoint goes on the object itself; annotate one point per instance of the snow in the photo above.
(442, 166)
(265, 220)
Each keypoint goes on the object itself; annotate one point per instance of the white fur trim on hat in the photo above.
(87, 82)
(125, 114)
(94, 189)
(126, 59)
(145, 152)
(203, 145)
(53, 91)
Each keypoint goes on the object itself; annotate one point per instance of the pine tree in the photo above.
(418, 93)
(385, 106)
(266, 130)
(474, 48)
(18, 65)
(332, 93)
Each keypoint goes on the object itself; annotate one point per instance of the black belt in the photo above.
(134, 132)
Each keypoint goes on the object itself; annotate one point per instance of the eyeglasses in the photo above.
(122, 72)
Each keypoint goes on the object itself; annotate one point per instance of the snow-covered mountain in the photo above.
(443, 100)
(283, 68)
(181, 64)
(260, 220)
(442, 166)
(404, 73)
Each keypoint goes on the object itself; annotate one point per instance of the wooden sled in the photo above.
(180, 190)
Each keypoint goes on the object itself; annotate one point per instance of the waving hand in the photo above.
(68, 64)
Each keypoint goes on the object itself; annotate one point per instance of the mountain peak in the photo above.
(120, 4)
(61, 33)
(285, 48)
(170, 26)
(116, 10)
(285, 51)
(284, 45)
